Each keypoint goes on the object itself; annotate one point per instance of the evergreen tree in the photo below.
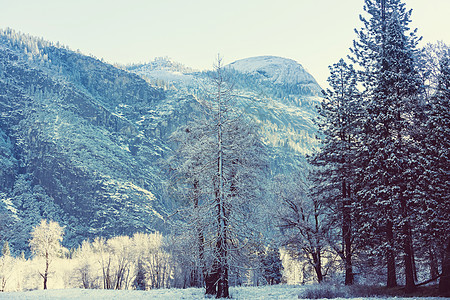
(335, 176)
(387, 52)
(272, 265)
(139, 282)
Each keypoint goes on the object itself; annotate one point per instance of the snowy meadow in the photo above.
(280, 292)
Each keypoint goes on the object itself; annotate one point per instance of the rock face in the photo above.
(278, 70)
(81, 140)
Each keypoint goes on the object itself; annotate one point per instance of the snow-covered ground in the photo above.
(262, 292)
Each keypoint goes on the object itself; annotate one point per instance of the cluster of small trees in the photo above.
(380, 188)
(138, 262)
(142, 262)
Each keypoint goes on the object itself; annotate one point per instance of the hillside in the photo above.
(71, 148)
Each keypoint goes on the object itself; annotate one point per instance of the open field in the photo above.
(262, 292)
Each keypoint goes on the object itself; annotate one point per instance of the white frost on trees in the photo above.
(45, 242)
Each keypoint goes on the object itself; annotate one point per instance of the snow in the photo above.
(10, 206)
(263, 292)
(166, 70)
(277, 69)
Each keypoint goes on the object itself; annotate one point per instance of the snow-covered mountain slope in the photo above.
(283, 100)
(164, 69)
(71, 148)
(278, 70)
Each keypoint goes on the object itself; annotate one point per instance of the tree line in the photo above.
(142, 261)
(380, 186)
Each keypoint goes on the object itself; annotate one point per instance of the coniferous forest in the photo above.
(157, 176)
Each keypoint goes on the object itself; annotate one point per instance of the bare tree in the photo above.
(221, 159)
(302, 223)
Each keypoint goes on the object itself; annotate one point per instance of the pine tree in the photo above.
(139, 282)
(272, 265)
(335, 176)
(386, 52)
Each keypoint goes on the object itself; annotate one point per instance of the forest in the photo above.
(369, 207)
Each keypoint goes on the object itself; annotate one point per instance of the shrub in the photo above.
(324, 290)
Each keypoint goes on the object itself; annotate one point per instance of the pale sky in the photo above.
(316, 33)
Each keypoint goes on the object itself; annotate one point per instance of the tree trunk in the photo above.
(222, 251)
(444, 281)
(223, 285)
(390, 256)
(409, 268)
(211, 279)
(434, 269)
(318, 266)
(199, 278)
(346, 232)
(414, 261)
(45, 276)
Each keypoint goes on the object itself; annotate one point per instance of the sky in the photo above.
(315, 33)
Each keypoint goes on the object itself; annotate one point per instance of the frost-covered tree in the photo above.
(220, 158)
(6, 266)
(430, 59)
(433, 189)
(303, 223)
(45, 242)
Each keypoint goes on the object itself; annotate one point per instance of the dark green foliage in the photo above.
(139, 282)
(272, 266)
(386, 51)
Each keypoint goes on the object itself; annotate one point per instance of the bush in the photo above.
(324, 290)
(331, 290)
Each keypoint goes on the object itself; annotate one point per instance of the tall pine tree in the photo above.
(386, 52)
(340, 112)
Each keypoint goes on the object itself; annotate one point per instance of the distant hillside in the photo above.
(71, 147)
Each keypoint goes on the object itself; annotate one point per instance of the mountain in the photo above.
(81, 140)
(277, 70)
(284, 109)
